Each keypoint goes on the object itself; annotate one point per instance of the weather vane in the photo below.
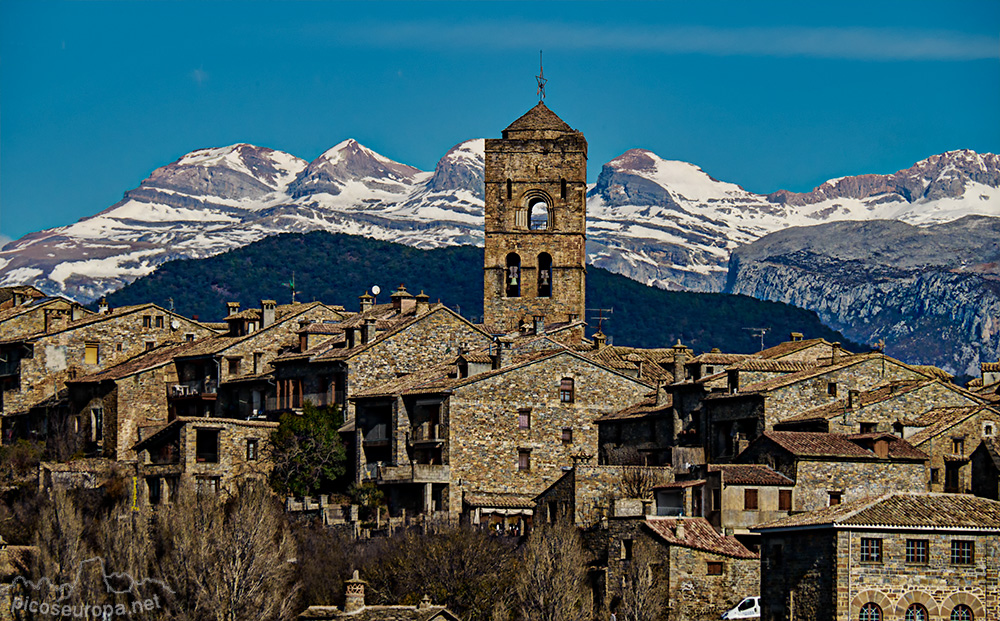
(541, 78)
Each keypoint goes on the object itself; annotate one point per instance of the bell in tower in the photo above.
(536, 211)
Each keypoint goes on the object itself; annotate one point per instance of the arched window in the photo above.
(510, 189)
(544, 275)
(870, 612)
(916, 612)
(538, 214)
(512, 276)
(962, 613)
(562, 189)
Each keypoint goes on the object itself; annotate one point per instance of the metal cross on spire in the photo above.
(541, 78)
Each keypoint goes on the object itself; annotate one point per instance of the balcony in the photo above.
(208, 389)
(415, 473)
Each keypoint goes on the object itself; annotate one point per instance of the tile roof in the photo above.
(539, 118)
(697, 534)
(717, 358)
(749, 474)
(940, 419)
(865, 398)
(680, 484)
(500, 501)
(143, 362)
(774, 366)
(989, 367)
(653, 363)
(792, 378)
(812, 444)
(932, 371)
(790, 347)
(902, 509)
(646, 407)
(91, 319)
(432, 612)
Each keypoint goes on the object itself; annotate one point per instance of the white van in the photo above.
(749, 608)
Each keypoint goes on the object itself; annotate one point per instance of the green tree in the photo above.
(307, 452)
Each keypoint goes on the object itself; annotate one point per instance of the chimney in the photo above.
(853, 399)
(354, 600)
(267, 313)
(425, 603)
(795, 336)
(367, 301)
(423, 302)
(402, 301)
(55, 320)
(679, 530)
(600, 341)
(103, 307)
(835, 355)
(232, 308)
(680, 357)
(498, 347)
(572, 317)
(661, 394)
(539, 324)
(368, 330)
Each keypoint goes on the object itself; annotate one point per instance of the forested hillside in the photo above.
(337, 268)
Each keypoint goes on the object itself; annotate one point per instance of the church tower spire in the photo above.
(536, 215)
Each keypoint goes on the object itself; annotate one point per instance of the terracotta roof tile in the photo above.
(500, 501)
(749, 474)
(989, 367)
(790, 347)
(718, 358)
(939, 419)
(697, 534)
(901, 509)
(680, 484)
(143, 362)
(774, 366)
(810, 444)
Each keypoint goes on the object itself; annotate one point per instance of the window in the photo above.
(835, 498)
(258, 360)
(159, 321)
(567, 435)
(714, 568)
(988, 430)
(153, 485)
(189, 337)
(207, 485)
(207, 445)
(871, 550)
(234, 366)
(717, 500)
(544, 275)
(869, 427)
(750, 500)
(831, 389)
(916, 550)
(870, 612)
(523, 460)
(935, 475)
(566, 390)
(538, 214)
(962, 613)
(784, 500)
(150, 345)
(962, 552)
(512, 277)
(91, 353)
(916, 612)
(562, 189)
(147, 321)
(251, 449)
(524, 418)
(958, 445)
(626, 554)
(97, 422)
(709, 370)
(510, 189)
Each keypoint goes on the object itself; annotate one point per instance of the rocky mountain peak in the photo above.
(461, 168)
(351, 161)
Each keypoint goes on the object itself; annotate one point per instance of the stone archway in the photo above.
(970, 600)
(917, 597)
(877, 597)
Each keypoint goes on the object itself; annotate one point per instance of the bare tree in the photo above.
(552, 583)
(643, 594)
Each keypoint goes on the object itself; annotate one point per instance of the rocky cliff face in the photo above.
(931, 293)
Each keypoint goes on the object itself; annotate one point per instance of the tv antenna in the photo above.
(291, 285)
(759, 332)
(540, 78)
(600, 315)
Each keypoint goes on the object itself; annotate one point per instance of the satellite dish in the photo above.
(175, 324)
(376, 290)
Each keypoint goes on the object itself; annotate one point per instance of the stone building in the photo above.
(231, 375)
(744, 412)
(378, 344)
(587, 493)
(985, 464)
(448, 439)
(37, 366)
(702, 573)
(891, 408)
(896, 556)
(642, 433)
(830, 468)
(535, 258)
(950, 435)
(987, 385)
(34, 314)
(18, 295)
(738, 497)
(356, 609)
(207, 454)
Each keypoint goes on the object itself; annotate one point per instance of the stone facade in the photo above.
(949, 436)
(536, 185)
(985, 463)
(587, 493)
(39, 315)
(935, 552)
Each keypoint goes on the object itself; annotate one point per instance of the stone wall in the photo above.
(901, 406)
(854, 479)
(941, 447)
(587, 492)
(798, 576)
(486, 439)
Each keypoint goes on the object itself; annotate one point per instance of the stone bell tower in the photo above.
(536, 215)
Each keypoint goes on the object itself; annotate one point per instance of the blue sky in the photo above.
(95, 95)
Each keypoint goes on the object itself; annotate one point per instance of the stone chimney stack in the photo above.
(103, 307)
(367, 301)
(267, 312)
(539, 324)
(600, 341)
(368, 330)
(835, 355)
(402, 300)
(232, 308)
(853, 399)
(795, 336)
(423, 302)
(354, 600)
(680, 357)
(661, 394)
(679, 531)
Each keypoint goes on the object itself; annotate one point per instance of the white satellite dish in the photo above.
(376, 290)
(175, 324)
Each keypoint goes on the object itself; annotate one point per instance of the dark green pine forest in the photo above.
(336, 269)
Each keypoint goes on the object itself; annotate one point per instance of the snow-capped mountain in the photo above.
(662, 222)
